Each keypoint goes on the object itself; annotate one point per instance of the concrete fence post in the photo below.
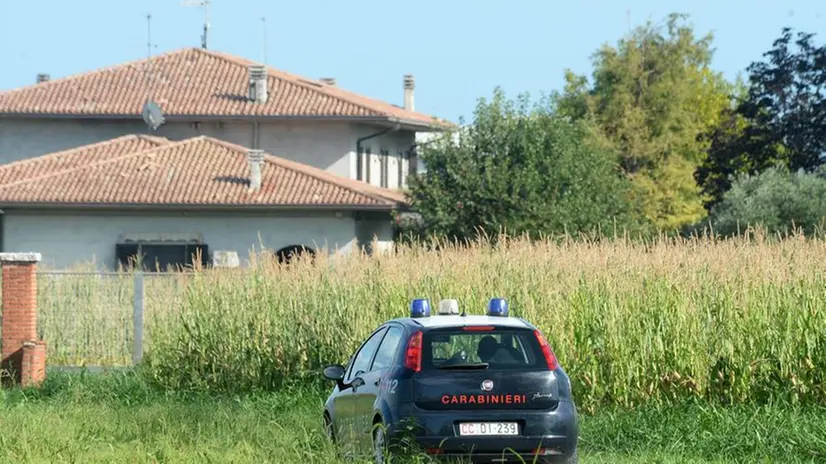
(137, 318)
(23, 355)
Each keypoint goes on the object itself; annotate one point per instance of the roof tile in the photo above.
(77, 157)
(201, 171)
(195, 82)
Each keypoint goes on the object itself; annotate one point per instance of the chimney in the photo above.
(42, 77)
(258, 83)
(328, 80)
(409, 86)
(256, 160)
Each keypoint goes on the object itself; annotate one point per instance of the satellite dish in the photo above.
(152, 115)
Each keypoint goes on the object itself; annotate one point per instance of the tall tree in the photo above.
(519, 168)
(787, 101)
(780, 121)
(652, 96)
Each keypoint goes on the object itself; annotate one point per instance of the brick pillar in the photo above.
(20, 319)
(33, 370)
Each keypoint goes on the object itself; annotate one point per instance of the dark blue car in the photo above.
(484, 387)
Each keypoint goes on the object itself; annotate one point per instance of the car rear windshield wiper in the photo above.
(466, 366)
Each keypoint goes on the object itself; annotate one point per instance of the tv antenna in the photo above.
(205, 5)
(264, 40)
(152, 114)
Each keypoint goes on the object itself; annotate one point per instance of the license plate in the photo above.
(488, 428)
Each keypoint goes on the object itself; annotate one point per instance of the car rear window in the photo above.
(499, 348)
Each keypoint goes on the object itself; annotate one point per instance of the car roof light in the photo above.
(498, 307)
(448, 307)
(420, 307)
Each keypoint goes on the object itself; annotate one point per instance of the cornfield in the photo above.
(734, 321)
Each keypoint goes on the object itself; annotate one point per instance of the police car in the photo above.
(456, 385)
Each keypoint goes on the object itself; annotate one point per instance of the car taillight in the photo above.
(478, 328)
(550, 358)
(413, 357)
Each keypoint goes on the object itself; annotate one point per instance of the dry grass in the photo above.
(736, 320)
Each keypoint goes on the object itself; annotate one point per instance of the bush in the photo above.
(523, 170)
(776, 200)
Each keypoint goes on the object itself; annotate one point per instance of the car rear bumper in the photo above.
(554, 432)
(522, 450)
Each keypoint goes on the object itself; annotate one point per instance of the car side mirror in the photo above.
(334, 372)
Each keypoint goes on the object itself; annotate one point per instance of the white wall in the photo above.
(395, 143)
(325, 145)
(65, 240)
(375, 232)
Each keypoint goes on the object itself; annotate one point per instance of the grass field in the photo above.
(679, 350)
(121, 419)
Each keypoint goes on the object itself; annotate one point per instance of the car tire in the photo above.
(379, 444)
(328, 428)
(572, 459)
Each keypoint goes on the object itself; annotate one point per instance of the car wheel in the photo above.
(328, 428)
(572, 459)
(379, 444)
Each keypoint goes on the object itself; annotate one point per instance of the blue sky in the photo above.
(458, 50)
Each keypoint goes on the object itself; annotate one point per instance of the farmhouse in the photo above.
(169, 200)
(162, 155)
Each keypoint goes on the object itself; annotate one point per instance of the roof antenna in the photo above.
(151, 114)
(264, 43)
(205, 4)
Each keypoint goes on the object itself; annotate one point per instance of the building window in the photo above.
(368, 157)
(385, 155)
(161, 257)
(360, 164)
(402, 169)
(413, 160)
(363, 164)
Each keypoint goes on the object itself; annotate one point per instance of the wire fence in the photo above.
(103, 318)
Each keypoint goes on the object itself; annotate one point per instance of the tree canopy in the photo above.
(519, 168)
(653, 139)
(780, 121)
(651, 98)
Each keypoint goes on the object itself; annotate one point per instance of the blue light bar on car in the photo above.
(498, 307)
(420, 308)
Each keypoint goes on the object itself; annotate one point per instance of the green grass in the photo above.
(120, 418)
(679, 350)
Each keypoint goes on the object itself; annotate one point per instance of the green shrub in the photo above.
(776, 199)
(521, 169)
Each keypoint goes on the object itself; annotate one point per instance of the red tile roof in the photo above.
(196, 82)
(77, 157)
(201, 171)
